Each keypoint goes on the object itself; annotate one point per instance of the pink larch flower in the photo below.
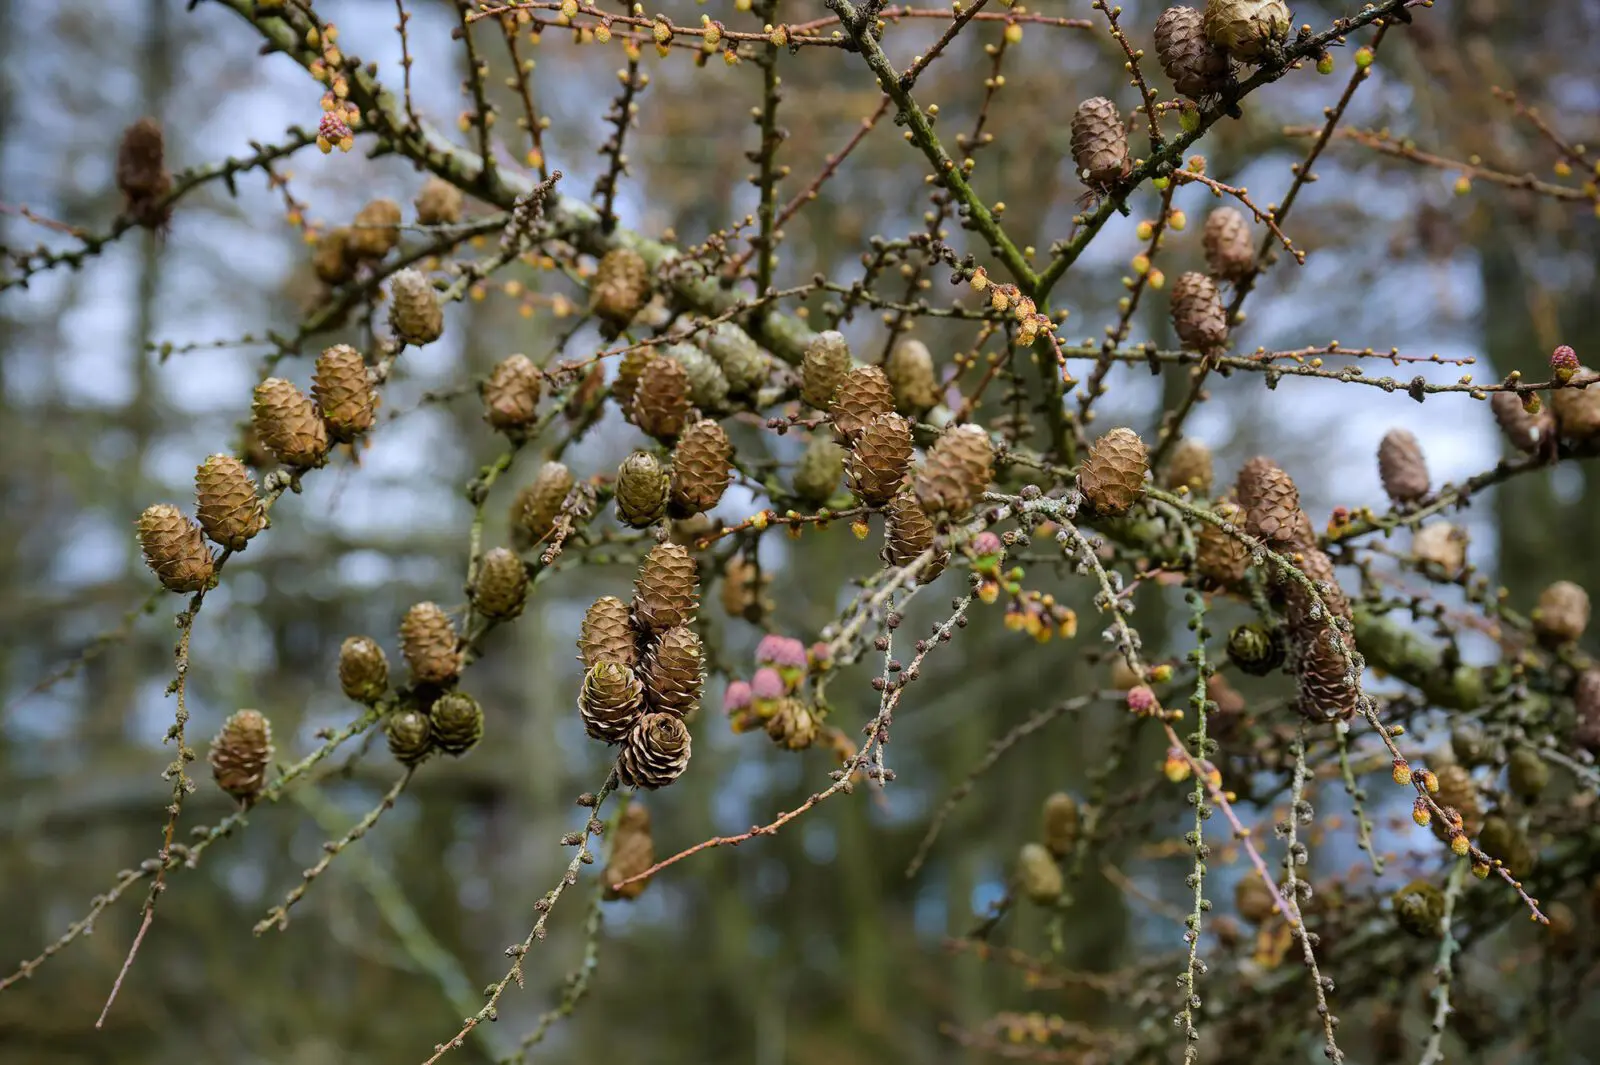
(737, 697)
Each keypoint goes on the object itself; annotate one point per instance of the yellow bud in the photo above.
(1176, 767)
(759, 521)
(1480, 870)
(1156, 280)
(1177, 220)
(1325, 64)
(1145, 231)
(1140, 264)
(1430, 782)
(1014, 33)
(860, 528)
(1463, 185)
(1459, 844)
(1161, 674)
(1402, 773)
(1363, 58)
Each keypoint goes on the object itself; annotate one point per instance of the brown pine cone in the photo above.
(1195, 66)
(621, 287)
(1586, 703)
(240, 754)
(330, 259)
(817, 474)
(1190, 464)
(375, 231)
(415, 314)
(1320, 670)
(1112, 477)
(629, 370)
(1402, 467)
(439, 203)
(1562, 614)
(792, 725)
(288, 424)
(1577, 410)
(958, 469)
(502, 587)
(1525, 431)
(226, 502)
(174, 548)
(1442, 547)
(643, 489)
(907, 533)
(429, 645)
(1099, 143)
(702, 467)
(363, 669)
(1059, 824)
(1219, 556)
(410, 736)
(632, 852)
(667, 589)
(1197, 313)
(878, 462)
(537, 506)
(743, 362)
(511, 394)
(912, 378)
(1271, 502)
(661, 399)
(861, 396)
(1458, 792)
(142, 174)
(1230, 251)
(823, 368)
(1247, 29)
(673, 673)
(456, 723)
(607, 634)
(656, 752)
(344, 393)
(611, 701)
(744, 590)
(1318, 569)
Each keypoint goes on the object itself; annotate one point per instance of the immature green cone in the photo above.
(1402, 467)
(643, 488)
(661, 398)
(1256, 649)
(1524, 431)
(456, 721)
(1099, 143)
(363, 669)
(1271, 501)
(632, 852)
(1527, 774)
(907, 533)
(708, 385)
(344, 393)
(537, 506)
(1219, 556)
(415, 314)
(1419, 909)
(1577, 410)
(878, 462)
(743, 362)
(1112, 477)
(1197, 313)
(655, 753)
(428, 644)
(1060, 824)
(912, 377)
(702, 467)
(1320, 670)
(958, 469)
(674, 672)
(823, 368)
(511, 394)
(1197, 68)
(817, 474)
(375, 231)
(1586, 705)
(174, 548)
(1038, 876)
(410, 736)
(226, 502)
(1562, 614)
(240, 755)
(288, 424)
(621, 287)
(607, 633)
(1500, 839)
(611, 701)
(439, 203)
(1230, 249)
(331, 260)
(502, 585)
(142, 174)
(1190, 464)
(864, 394)
(1254, 899)
(1458, 792)
(667, 589)
(792, 725)
(1247, 29)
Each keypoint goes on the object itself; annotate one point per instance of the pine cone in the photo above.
(375, 231)
(1527, 774)
(429, 645)
(643, 488)
(1419, 909)
(1402, 467)
(1112, 477)
(1253, 899)
(744, 590)
(667, 589)
(1059, 824)
(878, 462)
(174, 548)
(1195, 66)
(502, 587)
(1246, 29)
(226, 502)
(1230, 251)
(607, 634)
(656, 752)
(611, 701)
(288, 424)
(1442, 547)
(1525, 431)
(1577, 411)
(1298, 604)
(1586, 703)
(410, 736)
(142, 174)
(1500, 839)
(1219, 556)
(862, 395)
(1271, 502)
(661, 398)
(1562, 614)
(708, 385)
(1321, 669)
(330, 260)
(1256, 649)
(792, 725)
(415, 314)
(363, 669)
(743, 362)
(537, 506)
(632, 852)
(344, 393)
(621, 287)
(824, 367)
(959, 467)
(1038, 876)
(817, 474)
(511, 394)
(673, 672)
(1197, 314)
(702, 467)
(912, 378)
(629, 370)
(456, 722)
(908, 532)
(439, 203)
(1190, 464)
(1099, 143)
(240, 755)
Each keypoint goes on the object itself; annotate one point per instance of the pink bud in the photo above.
(783, 651)
(1564, 363)
(986, 543)
(1141, 700)
(767, 684)
(820, 655)
(737, 697)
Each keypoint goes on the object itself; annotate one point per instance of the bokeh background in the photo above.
(812, 946)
